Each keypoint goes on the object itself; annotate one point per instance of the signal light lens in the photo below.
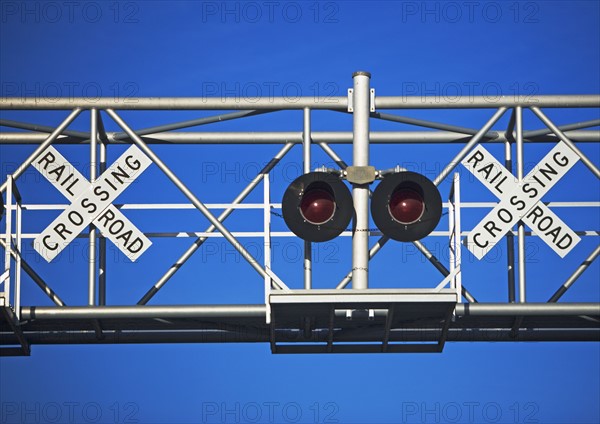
(317, 206)
(406, 206)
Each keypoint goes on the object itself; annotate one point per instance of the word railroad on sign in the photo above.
(521, 200)
(91, 203)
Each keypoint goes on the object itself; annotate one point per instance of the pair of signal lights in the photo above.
(405, 206)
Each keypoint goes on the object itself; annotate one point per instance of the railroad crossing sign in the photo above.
(91, 203)
(521, 201)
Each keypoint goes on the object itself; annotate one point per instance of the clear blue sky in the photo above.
(205, 48)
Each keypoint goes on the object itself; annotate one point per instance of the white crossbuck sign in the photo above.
(521, 201)
(91, 203)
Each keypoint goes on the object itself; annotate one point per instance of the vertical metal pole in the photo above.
(452, 231)
(520, 225)
(455, 234)
(267, 241)
(102, 242)
(360, 193)
(92, 235)
(8, 238)
(18, 261)
(306, 159)
(510, 239)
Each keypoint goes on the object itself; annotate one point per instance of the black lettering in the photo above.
(518, 203)
(505, 215)
(48, 158)
(116, 227)
(125, 236)
(133, 164)
(477, 242)
(132, 246)
(85, 202)
(554, 233)
(547, 172)
(542, 224)
(490, 226)
(564, 161)
(103, 194)
(497, 186)
(60, 229)
(496, 177)
(486, 170)
(66, 179)
(71, 186)
(120, 176)
(75, 218)
(566, 237)
(538, 180)
(111, 184)
(527, 188)
(58, 171)
(477, 157)
(45, 242)
(537, 212)
(107, 216)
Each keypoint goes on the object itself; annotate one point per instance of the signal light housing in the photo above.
(317, 206)
(406, 206)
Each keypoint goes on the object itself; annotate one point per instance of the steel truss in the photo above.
(292, 320)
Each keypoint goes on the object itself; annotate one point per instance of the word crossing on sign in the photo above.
(521, 201)
(91, 203)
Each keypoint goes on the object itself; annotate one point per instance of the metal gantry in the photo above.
(296, 318)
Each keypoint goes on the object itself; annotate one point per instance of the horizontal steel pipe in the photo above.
(174, 103)
(119, 312)
(257, 311)
(334, 103)
(482, 102)
(333, 137)
(262, 334)
(528, 309)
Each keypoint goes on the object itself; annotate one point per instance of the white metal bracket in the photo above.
(372, 100)
(351, 100)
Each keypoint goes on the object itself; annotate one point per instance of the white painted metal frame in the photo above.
(12, 243)
(454, 226)
(358, 103)
(474, 140)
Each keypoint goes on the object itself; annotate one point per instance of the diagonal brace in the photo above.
(195, 201)
(199, 241)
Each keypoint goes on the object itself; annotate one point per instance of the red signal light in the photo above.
(406, 206)
(317, 206)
